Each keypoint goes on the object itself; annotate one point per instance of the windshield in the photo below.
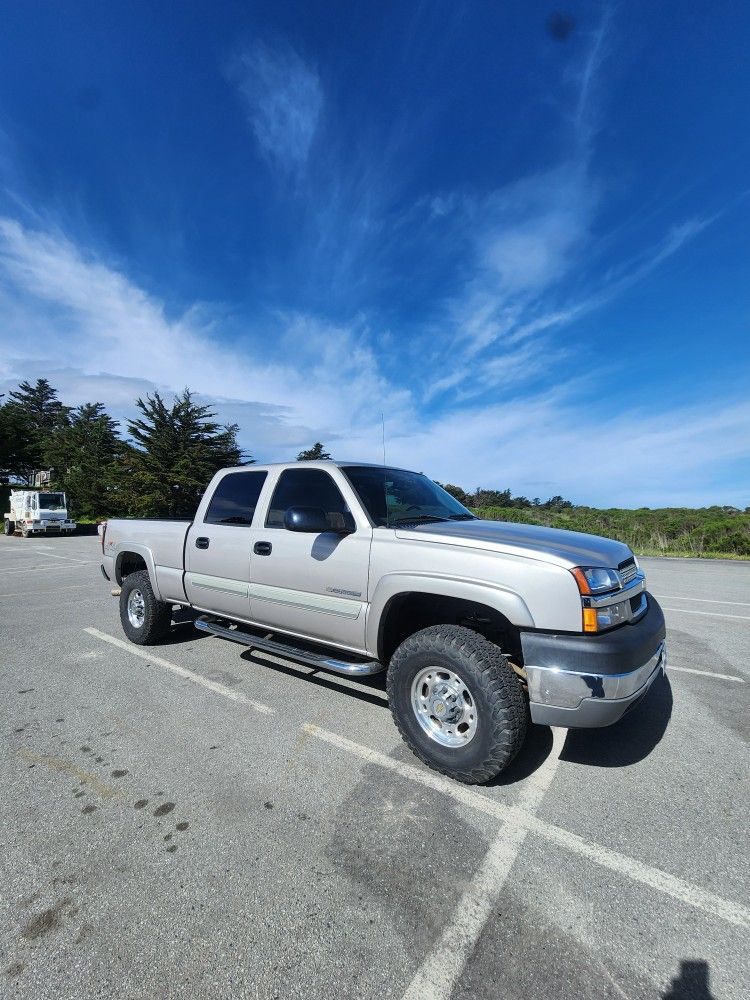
(51, 501)
(392, 496)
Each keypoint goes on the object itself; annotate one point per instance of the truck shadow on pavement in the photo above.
(368, 689)
(183, 629)
(628, 741)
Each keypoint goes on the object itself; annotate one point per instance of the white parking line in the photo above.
(444, 963)
(704, 673)
(711, 614)
(49, 555)
(57, 590)
(47, 569)
(637, 871)
(702, 600)
(182, 672)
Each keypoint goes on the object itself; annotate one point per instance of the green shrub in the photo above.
(709, 531)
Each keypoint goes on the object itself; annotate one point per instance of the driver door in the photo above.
(311, 584)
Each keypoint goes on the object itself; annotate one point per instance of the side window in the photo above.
(307, 488)
(235, 498)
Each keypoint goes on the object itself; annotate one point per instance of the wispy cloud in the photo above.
(118, 342)
(669, 456)
(283, 99)
(534, 240)
(64, 303)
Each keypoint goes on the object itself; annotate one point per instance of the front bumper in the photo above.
(584, 681)
(50, 527)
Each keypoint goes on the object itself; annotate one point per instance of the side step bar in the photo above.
(281, 647)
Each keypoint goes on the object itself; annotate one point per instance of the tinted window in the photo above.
(235, 498)
(395, 496)
(308, 488)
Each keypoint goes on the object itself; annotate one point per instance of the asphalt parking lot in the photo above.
(191, 821)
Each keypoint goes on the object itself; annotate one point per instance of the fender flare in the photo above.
(501, 599)
(127, 548)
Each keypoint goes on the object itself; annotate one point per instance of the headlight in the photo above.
(596, 580)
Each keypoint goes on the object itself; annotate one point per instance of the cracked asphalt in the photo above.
(162, 837)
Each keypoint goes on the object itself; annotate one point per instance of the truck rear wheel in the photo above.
(457, 703)
(145, 620)
(9, 527)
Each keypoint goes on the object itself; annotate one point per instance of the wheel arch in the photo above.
(404, 605)
(133, 558)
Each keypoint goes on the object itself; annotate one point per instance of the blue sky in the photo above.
(519, 230)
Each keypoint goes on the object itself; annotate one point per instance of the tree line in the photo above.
(160, 470)
(162, 466)
(172, 449)
(503, 498)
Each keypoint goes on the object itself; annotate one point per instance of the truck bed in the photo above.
(160, 540)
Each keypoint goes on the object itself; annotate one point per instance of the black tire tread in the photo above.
(158, 613)
(491, 674)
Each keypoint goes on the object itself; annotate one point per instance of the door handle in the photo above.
(262, 548)
(201, 543)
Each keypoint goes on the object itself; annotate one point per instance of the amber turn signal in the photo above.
(583, 583)
(590, 622)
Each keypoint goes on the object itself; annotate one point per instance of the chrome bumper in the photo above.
(577, 700)
(582, 681)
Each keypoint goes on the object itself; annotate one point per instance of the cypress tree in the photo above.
(311, 454)
(176, 450)
(83, 456)
(30, 416)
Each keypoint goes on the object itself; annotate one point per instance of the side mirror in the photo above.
(309, 519)
(315, 521)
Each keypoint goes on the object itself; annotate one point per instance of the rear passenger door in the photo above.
(218, 547)
(312, 584)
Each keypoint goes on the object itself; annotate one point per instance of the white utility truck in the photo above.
(33, 512)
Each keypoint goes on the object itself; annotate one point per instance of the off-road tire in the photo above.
(9, 527)
(496, 691)
(157, 614)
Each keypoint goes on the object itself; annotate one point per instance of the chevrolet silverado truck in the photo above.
(354, 568)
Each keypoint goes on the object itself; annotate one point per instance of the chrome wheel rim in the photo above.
(136, 609)
(444, 707)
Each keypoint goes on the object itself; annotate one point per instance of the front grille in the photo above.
(628, 571)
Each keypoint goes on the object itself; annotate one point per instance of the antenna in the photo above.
(385, 492)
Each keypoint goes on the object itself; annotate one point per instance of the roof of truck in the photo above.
(312, 462)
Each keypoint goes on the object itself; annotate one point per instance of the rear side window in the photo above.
(308, 488)
(235, 498)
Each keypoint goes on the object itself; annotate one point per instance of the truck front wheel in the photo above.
(457, 703)
(145, 620)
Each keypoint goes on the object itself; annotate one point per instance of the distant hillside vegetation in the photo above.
(710, 532)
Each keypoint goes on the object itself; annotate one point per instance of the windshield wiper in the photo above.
(463, 517)
(418, 517)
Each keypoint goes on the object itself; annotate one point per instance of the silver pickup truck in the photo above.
(357, 568)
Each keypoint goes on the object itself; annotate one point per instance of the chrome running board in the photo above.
(287, 649)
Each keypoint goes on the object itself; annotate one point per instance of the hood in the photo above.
(566, 548)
